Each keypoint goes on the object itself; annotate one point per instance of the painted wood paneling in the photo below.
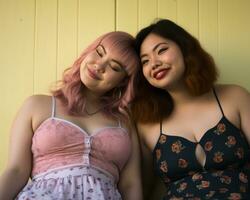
(187, 15)
(147, 12)
(45, 45)
(95, 18)
(167, 9)
(208, 26)
(127, 16)
(67, 35)
(234, 41)
(16, 63)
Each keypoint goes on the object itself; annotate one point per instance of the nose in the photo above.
(155, 63)
(100, 67)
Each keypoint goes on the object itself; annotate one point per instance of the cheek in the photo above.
(113, 81)
(82, 70)
(146, 72)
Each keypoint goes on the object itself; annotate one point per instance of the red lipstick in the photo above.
(93, 74)
(160, 73)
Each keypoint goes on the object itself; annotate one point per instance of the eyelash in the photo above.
(159, 52)
(143, 62)
(99, 54)
(162, 50)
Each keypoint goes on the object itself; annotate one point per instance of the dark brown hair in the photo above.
(151, 103)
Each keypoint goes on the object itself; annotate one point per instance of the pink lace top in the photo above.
(59, 143)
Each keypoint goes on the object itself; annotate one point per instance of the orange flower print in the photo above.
(196, 177)
(163, 139)
(239, 153)
(217, 173)
(166, 179)
(234, 196)
(243, 189)
(208, 146)
(177, 147)
(221, 128)
(204, 184)
(225, 179)
(210, 194)
(243, 177)
(158, 154)
(164, 166)
(223, 190)
(182, 163)
(218, 157)
(182, 187)
(231, 141)
(191, 173)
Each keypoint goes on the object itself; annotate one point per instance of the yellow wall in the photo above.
(40, 38)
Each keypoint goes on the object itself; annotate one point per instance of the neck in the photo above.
(93, 104)
(181, 95)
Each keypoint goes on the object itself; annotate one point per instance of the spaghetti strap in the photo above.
(161, 126)
(119, 120)
(119, 123)
(53, 110)
(217, 99)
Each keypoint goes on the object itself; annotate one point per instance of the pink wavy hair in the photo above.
(70, 89)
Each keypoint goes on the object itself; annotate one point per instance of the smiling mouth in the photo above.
(161, 73)
(93, 74)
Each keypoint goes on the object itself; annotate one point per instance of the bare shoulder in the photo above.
(142, 128)
(146, 128)
(39, 99)
(231, 89)
(234, 93)
(37, 102)
(39, 106)
(233, 97)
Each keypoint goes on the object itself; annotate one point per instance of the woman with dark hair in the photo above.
(197, 131)
(79, 142)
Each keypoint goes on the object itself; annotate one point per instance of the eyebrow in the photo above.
(155, 47)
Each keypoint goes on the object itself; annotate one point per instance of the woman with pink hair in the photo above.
(79, 143)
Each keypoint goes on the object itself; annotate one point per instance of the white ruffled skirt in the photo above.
(68, 183)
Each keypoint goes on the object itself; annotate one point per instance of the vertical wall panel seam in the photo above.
(198, 18)
(115, 14)
(34, 46)
(157, 9)
(57, 39)
(217, 33)
(177, 4)
(77, 25)
(138, 14)
(218, 29)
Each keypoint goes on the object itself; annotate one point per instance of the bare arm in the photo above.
(153, 187)
(18, 168)
(244, 109)
(130, 180)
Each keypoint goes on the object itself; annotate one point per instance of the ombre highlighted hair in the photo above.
(200, 72)
(70, 90)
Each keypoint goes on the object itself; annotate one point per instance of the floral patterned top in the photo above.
(226, 172)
